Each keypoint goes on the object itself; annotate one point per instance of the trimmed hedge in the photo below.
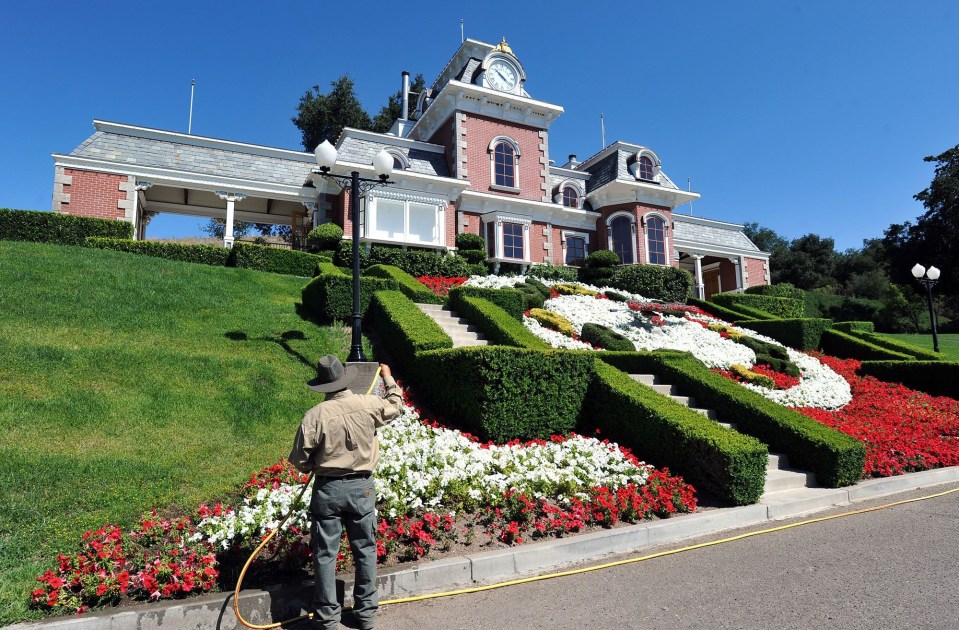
(606, 338)
(193, 253)
(855, 327)
(534, 297)
(329, 297)
(669, 284)
(783, 289)
(273, 259)
(937, 378)
(55, 227)
(836, 458)
(510, 300)
(801, 333)
(468, 240)
(846, 346)
(329, 268)
(472, 256)
(502, 393)
(549, 271)
(729, 314)
(788, 308)
(325, 237)
(414, 262)
(413, 288)
(542, 288)
(898, 346)
(405, 330)
(499, 326)
(663, 432)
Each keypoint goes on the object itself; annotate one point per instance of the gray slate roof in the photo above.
(124, 149)
(614, 166)
(361, 151)
(714, 233)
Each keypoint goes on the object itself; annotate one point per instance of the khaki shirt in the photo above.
(338, 436)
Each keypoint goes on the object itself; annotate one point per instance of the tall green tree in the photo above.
(322, 117)
(390, 112)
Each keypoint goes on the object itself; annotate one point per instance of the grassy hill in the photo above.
(129, 382)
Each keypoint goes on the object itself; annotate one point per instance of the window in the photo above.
(405, 220)
(504, 155)
(570, 197)
(575, 250)
(491, 240)
(645, 168)
(656, 236)
(621, 235)
(513, 240)
(400, 162)
(397, 164)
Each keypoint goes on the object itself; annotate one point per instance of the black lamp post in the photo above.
(928, 279)
(382, 166)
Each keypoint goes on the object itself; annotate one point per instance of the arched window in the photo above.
(621, 235)
(645, 168)
(400, 162)
(570, 197)
(656, 237)
(504, 165)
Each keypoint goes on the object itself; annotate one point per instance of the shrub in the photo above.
(498, 325)
(410, 286)
(273, 259)
(405, 330)
(468, 240)
(572, 289)
(855, 327)
(663, 432)
(325, 237)
(472, 256)
(606, 338)
(534, 299)
(669, 284)
(542, 288)
(937, 378)
(782, 289)
(841, 308)
(836, 458)
(549, 271)
(898, 346)
(846, 346)
(202, 254)
(616, 297)
(344, 255)
(774, 306)
(801, 334)
(553, 321)
(54, 227)
(510, 300)
(601, 258)
(503, 393)
(329, 268)
(751, 377)
(329, 297)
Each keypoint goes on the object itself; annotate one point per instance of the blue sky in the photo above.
(808, 116)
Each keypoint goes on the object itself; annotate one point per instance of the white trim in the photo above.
(666, 250)
(370, 217)
(567, 234)
(577, 186)
(632, 230)
(498, 219)
(540, 211)
(491, 150)
(619, 191)
(400, 157)
(715, 250)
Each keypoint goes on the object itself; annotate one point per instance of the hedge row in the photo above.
(938, 378)
(54, 227)
(406, 331)
(273, 259)
(510, 300)
(783, 289)
(855, 327)
(410, 286)
(897, 346)
(847, 346)
(414, 262)
(606, 338)
(669, 284)
(329, 297)
(775, 306)
(836, 458)
(499, 326)
(502, 393)
(801, 334)
(659, 430)
(727, 314)
(193, 253)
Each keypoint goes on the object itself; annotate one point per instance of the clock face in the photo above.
(501, 76)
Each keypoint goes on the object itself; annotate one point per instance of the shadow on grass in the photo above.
(281, 339)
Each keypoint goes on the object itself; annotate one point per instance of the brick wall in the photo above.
(90, 194)
(444, 137)
(637, 211)
(757, 272)
(727, 274)
(480, 131)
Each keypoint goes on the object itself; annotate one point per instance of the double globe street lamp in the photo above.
(928, 278)
(382, 166)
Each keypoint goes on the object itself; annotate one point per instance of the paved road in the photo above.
(893, 568)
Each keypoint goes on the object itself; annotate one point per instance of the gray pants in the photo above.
(339, 503)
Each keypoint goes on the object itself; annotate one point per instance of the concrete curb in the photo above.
(285, 601)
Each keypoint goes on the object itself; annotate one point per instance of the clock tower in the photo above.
(502, 71)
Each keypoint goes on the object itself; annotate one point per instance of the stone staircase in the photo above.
(780, 479)
(459, 329)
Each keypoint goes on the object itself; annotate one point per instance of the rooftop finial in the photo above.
(504, 47)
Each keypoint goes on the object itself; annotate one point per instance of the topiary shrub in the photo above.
(468, 240)
(606, 338)
(325, 237)
(194, 253)
(510, 300)
(410, 286)
(553, 321)
(788, 308)
(472, 256)
(542, 288)
(534, 299)
(54, 227)
(601, 258)
(573, 289)
(616, 297)
(669, 284)
(549, 271)
(800, 333)
(273, 259)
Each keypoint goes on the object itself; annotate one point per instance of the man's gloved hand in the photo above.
(385, 370)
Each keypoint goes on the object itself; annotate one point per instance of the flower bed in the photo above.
(441, 285)
(436, 487)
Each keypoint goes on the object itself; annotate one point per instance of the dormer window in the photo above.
(570, 197)
(504, 161)
(645, 168)
(400, 162)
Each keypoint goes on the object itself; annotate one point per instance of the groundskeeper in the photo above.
(337, 440)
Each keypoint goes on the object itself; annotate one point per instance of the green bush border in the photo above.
(499, 326)
(726, 314)
(512, 301)
(406, 331)
(898, 346)
(413, 288)
(669, 284)
(836, 458)
(800, 333)
(59, 228)
(184, 252)
(854, 327)
(773, 307)
(273, 259)
(329, 297)
(937, 378)
(847, 346)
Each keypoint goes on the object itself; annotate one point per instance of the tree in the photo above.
(390, 112)
(323, 116)
(216, 228)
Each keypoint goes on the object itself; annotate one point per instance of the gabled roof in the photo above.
(359, 147)
(707, 233)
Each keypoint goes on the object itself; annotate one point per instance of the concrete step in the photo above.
(662, 388)
(689, 401)
(780, 479)
(461, 325)
(470, 342)
(433, 307)
(646, 379)
(728, 425)
(778, 460)
(709, 413)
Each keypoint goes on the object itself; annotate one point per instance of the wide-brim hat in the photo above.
(331, 376)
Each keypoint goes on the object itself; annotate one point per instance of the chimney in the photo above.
(572, 160)
(406, 95)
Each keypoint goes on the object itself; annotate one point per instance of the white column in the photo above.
(740, 262)
(700, 287)
(138, 226)
(231, 198)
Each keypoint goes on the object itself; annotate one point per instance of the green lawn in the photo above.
(128, 382)
(948, 344)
